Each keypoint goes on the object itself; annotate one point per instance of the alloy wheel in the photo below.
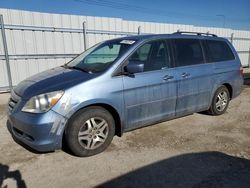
(221, 101)
(93, 133)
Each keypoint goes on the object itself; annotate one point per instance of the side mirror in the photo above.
(134, 67)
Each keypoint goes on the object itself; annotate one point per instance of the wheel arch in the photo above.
(230, 89)
(227, 85)
(112, 110)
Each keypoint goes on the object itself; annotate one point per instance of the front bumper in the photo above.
(41, 132)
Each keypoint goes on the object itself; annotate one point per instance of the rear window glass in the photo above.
(218, 51)
(188, 52)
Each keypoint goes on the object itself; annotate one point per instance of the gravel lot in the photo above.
(194, 151)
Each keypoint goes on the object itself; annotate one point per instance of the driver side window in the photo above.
(152, 54)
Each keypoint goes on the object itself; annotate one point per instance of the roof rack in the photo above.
(196, 33)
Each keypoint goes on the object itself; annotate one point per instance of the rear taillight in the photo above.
(241, 71)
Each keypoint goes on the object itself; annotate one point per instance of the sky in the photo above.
(217, 13)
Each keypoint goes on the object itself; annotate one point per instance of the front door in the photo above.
(150, 96)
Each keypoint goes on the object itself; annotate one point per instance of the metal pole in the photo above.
(249, 58)
(232, 37)
(6, 52)
(84, 28)
(139, 30)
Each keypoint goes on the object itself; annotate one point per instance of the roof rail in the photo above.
(196, 33)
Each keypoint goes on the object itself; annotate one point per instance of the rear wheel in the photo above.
(220, 101)
(90, 131)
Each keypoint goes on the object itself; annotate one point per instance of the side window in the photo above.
(188, 52)
(153, 55)
(218, 51)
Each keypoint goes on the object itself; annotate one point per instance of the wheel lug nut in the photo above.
(90, 136)
(94, 137)
(97, 132)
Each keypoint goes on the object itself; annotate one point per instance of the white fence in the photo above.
(39, 41)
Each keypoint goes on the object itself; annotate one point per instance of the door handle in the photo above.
(167, 77)
(185, 75)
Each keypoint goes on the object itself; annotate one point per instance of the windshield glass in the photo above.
(101, 56)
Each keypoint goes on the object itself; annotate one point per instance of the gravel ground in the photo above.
(194, 151)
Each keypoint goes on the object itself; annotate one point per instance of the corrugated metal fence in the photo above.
(39, 41)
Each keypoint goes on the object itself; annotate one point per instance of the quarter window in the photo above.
(218, 51)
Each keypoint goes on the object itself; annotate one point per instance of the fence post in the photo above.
(232, 37)
(84, 28)
(249, 58)
(139, 30)
(7, 61)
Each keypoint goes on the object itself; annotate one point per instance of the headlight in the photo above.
(42, 103)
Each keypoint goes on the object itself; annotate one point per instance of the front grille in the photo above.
(14, 99)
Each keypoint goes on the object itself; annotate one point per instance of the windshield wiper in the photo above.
(76, 68)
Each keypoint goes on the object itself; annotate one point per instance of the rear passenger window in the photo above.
(188, 52)
(218, 51)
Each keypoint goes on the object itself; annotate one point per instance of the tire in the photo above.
(220, 101)
(90, 131)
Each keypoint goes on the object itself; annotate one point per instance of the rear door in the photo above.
(150, 96)
(194, 76)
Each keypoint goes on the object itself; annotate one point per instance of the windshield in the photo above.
(101, 56)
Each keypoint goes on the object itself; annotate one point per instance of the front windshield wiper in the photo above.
(76, 68)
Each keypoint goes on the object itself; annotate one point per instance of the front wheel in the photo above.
(90, 131)
(220, 101)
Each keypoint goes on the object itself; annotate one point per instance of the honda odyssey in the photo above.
(124, 84)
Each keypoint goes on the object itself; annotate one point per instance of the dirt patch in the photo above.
(3, 109)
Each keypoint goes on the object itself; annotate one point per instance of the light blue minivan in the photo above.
(123, 84)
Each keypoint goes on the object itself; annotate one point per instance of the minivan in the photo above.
(124, 84)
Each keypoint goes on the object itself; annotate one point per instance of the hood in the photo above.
(55, 79)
